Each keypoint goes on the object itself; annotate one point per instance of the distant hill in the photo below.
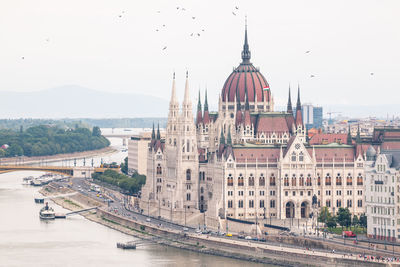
(73, 101)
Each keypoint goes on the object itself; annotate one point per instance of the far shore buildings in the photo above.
(247, 162)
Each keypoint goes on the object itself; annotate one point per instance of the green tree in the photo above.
(355, 221)
(124, 166)
(331, 222)
(324, 215)
(344, 217)
(363, 220)
(96, 131)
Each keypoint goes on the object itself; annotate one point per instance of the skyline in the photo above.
(114, 47)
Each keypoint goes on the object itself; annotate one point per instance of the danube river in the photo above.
(25, 240)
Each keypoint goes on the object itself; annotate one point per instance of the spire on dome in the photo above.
(153, 133)
(289, 104)
(158, 132)
(246, 55)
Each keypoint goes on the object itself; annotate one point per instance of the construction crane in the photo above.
(330, 115)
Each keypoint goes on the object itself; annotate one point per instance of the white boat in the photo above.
(47, 213)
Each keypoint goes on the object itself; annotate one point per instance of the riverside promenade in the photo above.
(269, 253)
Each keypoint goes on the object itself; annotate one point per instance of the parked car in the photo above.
(148, 220)
(185, 229)
(248, 237)
(241, 236)
(228, 235)
(348, 234)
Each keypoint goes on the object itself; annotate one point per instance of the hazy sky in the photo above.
(114, 46)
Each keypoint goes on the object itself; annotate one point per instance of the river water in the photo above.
(25, 240)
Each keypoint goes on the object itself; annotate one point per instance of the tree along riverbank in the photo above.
(45, 140)
(232, 248)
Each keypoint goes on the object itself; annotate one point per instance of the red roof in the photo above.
(337, 154)
(322, 139)
(261, 154)
(277, 124)
(390, 146)
(245, 78)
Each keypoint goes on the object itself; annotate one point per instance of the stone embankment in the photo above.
(232, 248)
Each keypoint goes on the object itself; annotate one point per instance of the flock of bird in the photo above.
(193, 34)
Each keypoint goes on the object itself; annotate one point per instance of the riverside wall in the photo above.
(232, 248)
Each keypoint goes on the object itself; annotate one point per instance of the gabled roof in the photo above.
(323, 138)
(274, 122)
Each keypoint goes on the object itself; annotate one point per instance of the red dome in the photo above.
(245, 79)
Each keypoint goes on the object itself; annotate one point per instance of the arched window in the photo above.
(202, 190)
(240, 180)
(174, 141)
(251, 180)
(318, 179)
(301, 156)
(188, 197)
(338, 179)
(294, 180)
(309, 181)
(286, 180)
(349, 180)
(159, 169)
(272, 180)
(261, 180)
(301, 180)
(188, 175)
(328, 179)
(359, 179)
(230, 180)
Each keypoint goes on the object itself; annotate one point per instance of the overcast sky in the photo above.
(114, 46)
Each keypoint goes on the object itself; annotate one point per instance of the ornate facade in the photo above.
(247, 161)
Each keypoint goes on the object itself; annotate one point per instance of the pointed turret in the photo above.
(229, 139)
(358, 137)
(186, 98)
(153, 133)
(349, 140)
(158, 132)
(289, 104)
(246, 55)
(199, 117)
(173, 93)
(299, 117)
(222, 138)
(206, 116)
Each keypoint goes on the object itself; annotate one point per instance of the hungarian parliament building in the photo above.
(247, 161)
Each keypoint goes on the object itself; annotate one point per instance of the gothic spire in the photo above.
(298, 105)
(205, 102)
(153, 133)
(358, 137)
(349, 140)
(186, 98)
(158, 132)
(229, 140)
(222, 138)
(246, 55)
(289, 104)
(199, 104)
(173, 93)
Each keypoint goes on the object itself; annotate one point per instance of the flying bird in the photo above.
(191, 34)
(308, 51)
(312, 76)
(202, 30)
(177, 7)
(163, 25)
(236, 7)
(158, 11)
(23, 58)
(234, 13)
(198, 34)
(372, 73)
(164, 48)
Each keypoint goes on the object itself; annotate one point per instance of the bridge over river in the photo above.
(82, 171)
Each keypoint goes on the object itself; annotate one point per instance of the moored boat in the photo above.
(47, 213)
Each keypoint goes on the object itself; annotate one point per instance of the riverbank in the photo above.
(232, 248)
(58, 157)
